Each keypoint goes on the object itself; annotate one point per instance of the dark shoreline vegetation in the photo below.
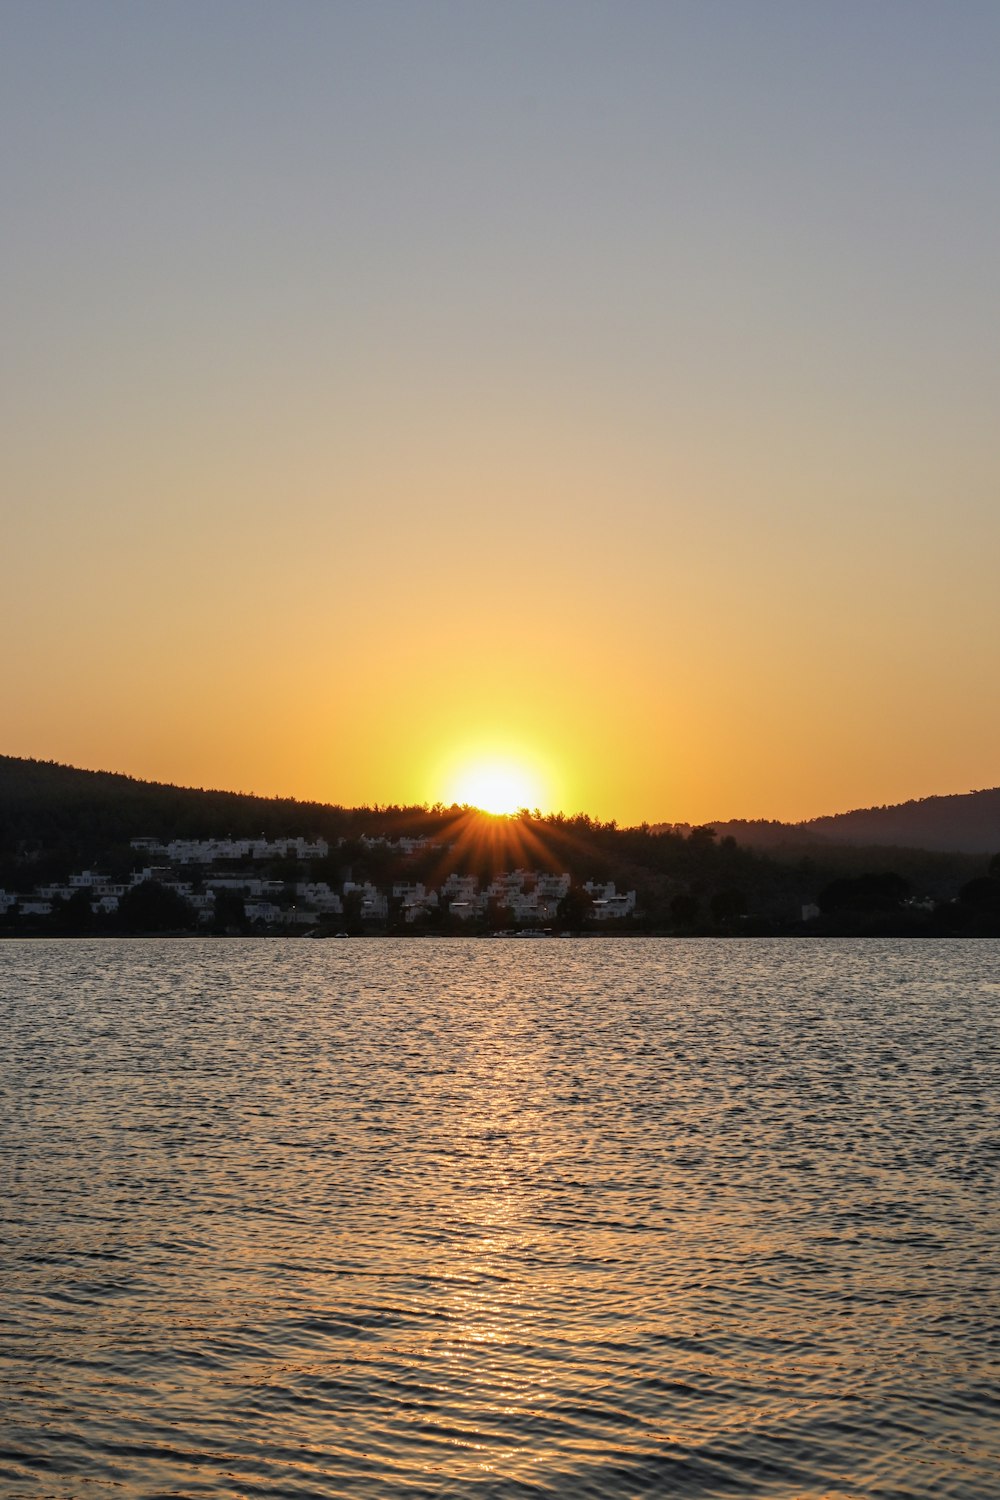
(690, 882)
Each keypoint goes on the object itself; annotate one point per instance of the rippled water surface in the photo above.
(457, 1218)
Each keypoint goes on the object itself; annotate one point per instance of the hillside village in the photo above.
(222, 879)
(92, 853)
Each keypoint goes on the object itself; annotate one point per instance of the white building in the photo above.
(416, 899)
(608, 904)
(530, 897)
(160, 873)
(212, 851)
(464, 909)
(374, 906)
(54, 892)
(33, 906)
(245, 885)
(298, 916)
(262, 911)
(317, 894)
(92, 880)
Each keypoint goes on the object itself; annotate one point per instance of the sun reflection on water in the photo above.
(426, 1216)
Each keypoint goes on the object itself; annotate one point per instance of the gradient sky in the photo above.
(610, 385)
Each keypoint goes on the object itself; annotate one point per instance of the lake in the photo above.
(590, 1218)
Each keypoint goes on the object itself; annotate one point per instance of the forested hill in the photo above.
(56, 821)
(967, 822)
(44, 803)
(49, 804)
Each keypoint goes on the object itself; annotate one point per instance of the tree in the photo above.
(151, 907)
(75, 916)
(230, 911)
(576, 907)
(728, 906)
(684, 909)
(499, 915)
(353, 902)
(864, 893)
(983, 893)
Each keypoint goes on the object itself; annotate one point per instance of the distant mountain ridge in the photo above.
(962, 823)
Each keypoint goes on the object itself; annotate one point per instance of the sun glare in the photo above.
(498, 787)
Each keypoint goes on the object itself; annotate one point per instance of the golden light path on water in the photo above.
(401, 1219)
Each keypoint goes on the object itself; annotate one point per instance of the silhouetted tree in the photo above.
(576, 907)
(498, 914)
(230, 911)
(728, 906)
(74, 916)
(151, 907)
(983, 893)
(684, 909)
(353, 902)
(864, 893)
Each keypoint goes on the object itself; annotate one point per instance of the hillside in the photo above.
(57, 821)
(45, 803)
(966, 823)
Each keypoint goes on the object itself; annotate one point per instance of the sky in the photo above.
(606, 392)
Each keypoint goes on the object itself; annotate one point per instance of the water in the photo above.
(499, 1219)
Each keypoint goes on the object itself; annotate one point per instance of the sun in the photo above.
(500, 787)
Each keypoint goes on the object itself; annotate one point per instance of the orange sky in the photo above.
(388, 392)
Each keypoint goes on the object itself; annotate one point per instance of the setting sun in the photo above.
(500, 787)
(498, 772)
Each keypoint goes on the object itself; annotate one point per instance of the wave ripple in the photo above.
(587, 1219)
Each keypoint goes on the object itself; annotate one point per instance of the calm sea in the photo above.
(500, 1219)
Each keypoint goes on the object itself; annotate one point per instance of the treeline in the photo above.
(55, 820)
